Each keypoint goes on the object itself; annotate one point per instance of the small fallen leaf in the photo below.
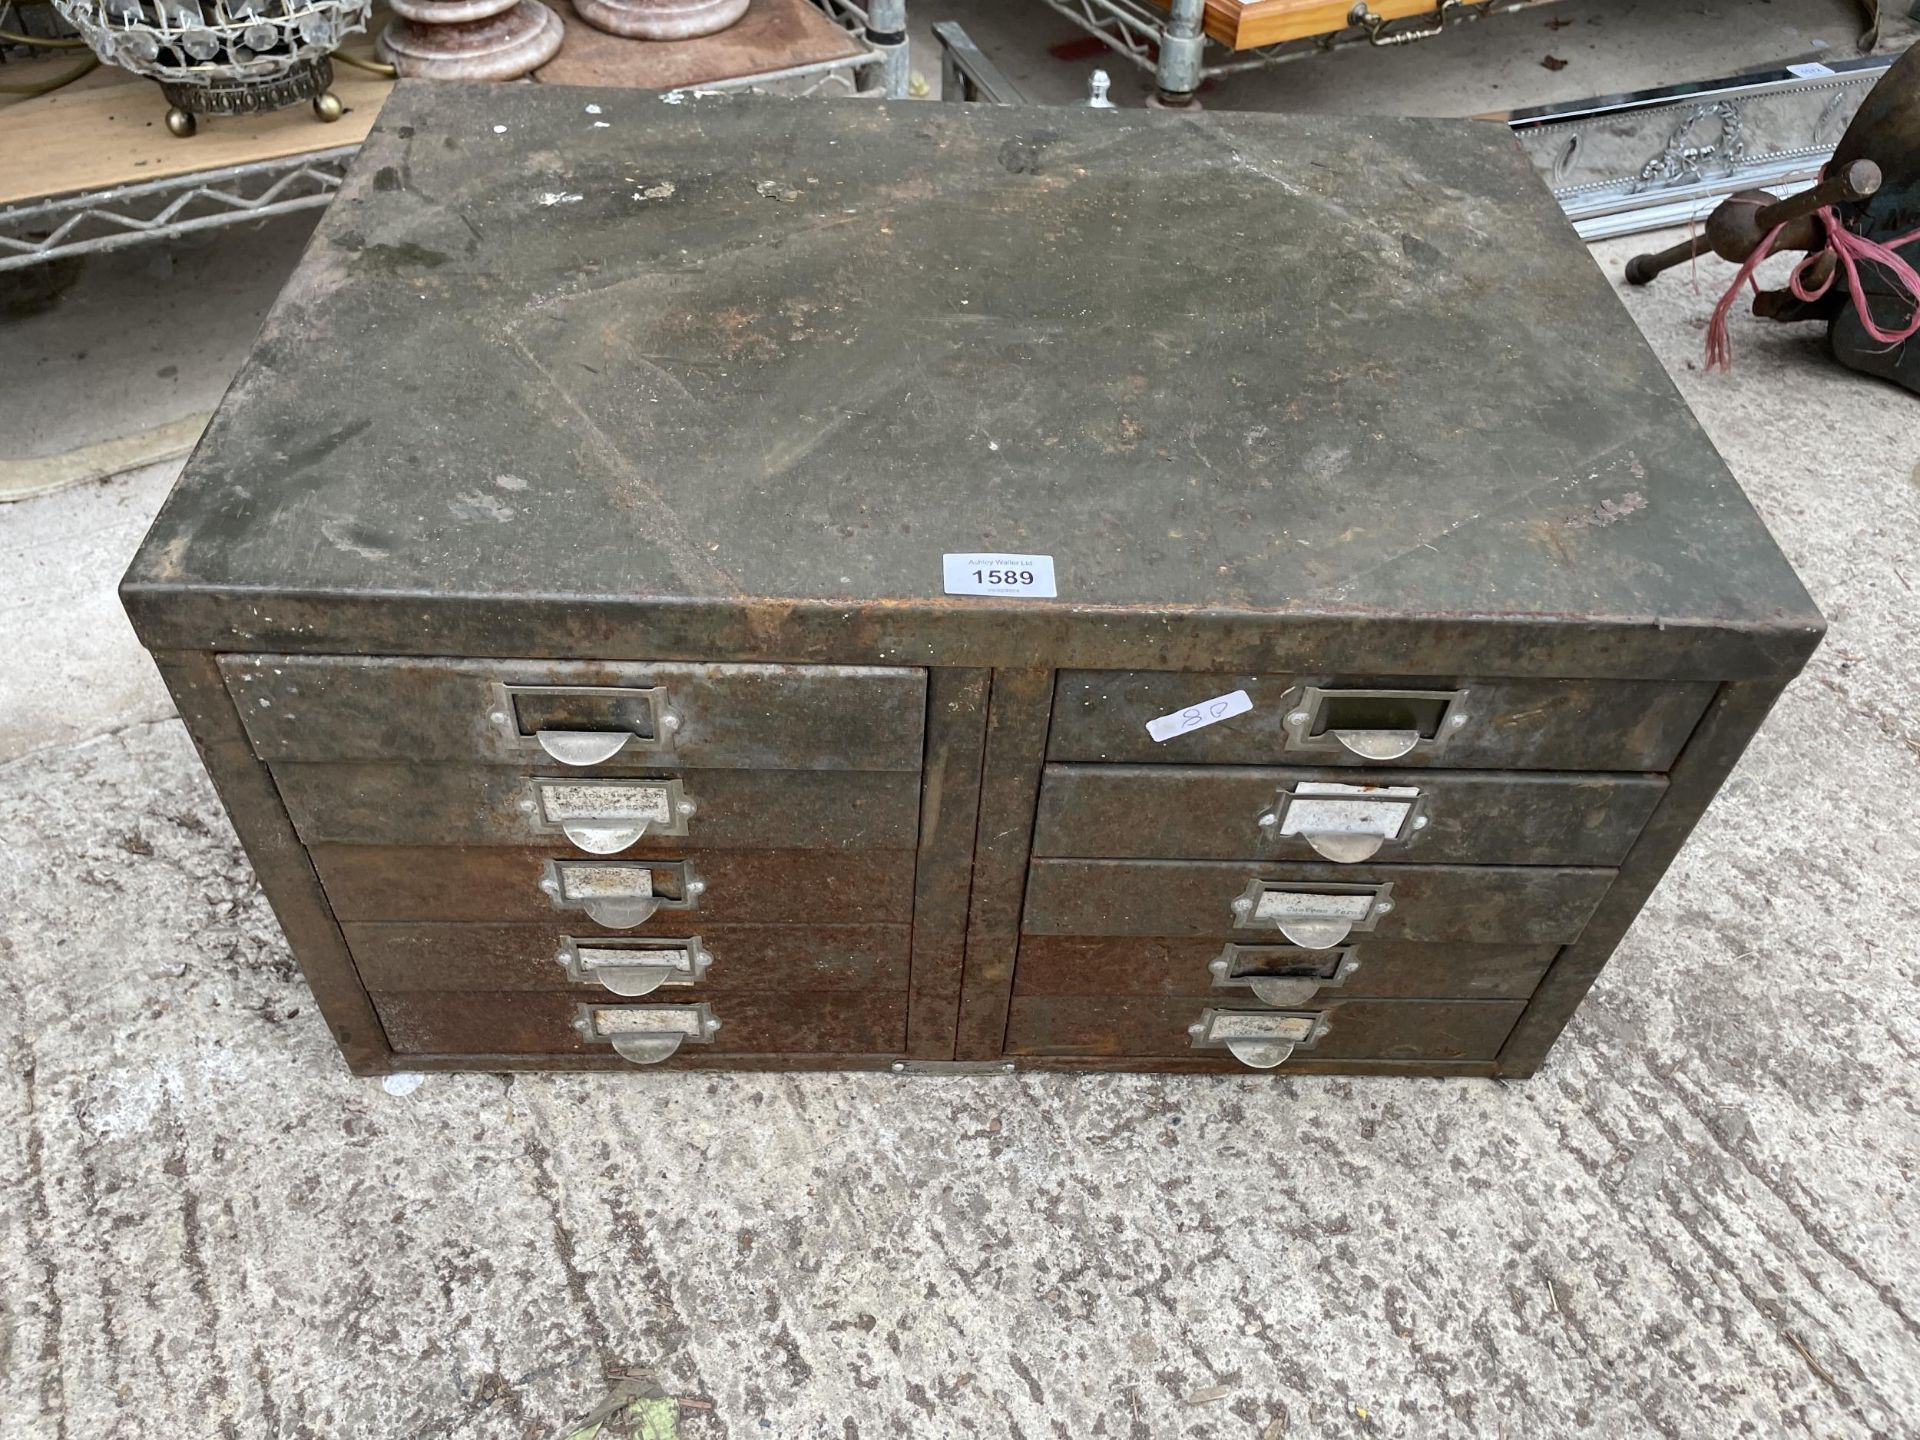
(1208, 1394)
(1553, 62)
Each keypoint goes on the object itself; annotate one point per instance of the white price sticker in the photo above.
(1014, 575)
(1197, 717)
(1812, 70)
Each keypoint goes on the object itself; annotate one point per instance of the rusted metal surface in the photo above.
(1191, 812)
(285, 870)
(694, 535)
(1482, 905)
(1010, 785)
(699, 1058)
(404, 956)
(1512, 724)
(493, 805)
(1370, 1029)
(1216, 1063)
(684, 458)
(764, 717)
(1383, 969)
(1730, 723)
(536, 1022)
(943, 873)
(748, 887)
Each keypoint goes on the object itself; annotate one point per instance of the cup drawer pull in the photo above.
(1347, 823)
(634, 967)
(1315, 917)
(621, 894)
(1282, 975)
(584, 725)
(647, 1034)
(604, 817)
(1376, 725)
(1259, 1039)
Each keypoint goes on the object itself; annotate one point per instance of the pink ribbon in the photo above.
(1852, 250)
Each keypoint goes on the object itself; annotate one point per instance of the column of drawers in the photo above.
(667, 863)
(1355, 869)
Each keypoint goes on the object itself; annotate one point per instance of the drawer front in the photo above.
(408, 957)
(387, 804)
(1385, 969)
(523, 712)
(1183, 812)
(1102, 715)
(747, 887)
(1481, 905)
(535, 1022)
(1157, 1027)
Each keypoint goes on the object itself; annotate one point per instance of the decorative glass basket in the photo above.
(223, 57)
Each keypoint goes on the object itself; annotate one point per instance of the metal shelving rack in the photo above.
(58, 227)
(1172, 44)
(881, 69)
(87, 223)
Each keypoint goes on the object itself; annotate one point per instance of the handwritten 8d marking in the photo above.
(1195, 717)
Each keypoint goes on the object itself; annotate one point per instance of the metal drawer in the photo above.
(1218, 813)
(490, 884)
(1154, 1026)
(396, 804)
(1256, 966)
(400, 956)
(1317, 906)
(1468, 724)
(609, 717)
(525, 1022)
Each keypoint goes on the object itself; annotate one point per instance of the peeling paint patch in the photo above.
(348, 536)
(1608, 512)
(478, 505)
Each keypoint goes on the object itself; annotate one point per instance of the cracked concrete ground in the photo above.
(1698, 1221)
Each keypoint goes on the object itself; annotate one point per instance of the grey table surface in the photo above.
(572, 347)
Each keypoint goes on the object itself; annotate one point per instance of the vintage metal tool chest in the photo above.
(558, 598)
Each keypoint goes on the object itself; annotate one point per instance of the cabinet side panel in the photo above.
(1017, 717)
(286, 874)
(1709, 757)
(943, 873)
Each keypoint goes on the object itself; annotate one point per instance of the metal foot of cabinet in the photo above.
(558, 602)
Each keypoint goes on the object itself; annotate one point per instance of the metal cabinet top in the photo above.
(601, 373)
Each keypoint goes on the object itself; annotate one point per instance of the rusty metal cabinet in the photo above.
(557, 599)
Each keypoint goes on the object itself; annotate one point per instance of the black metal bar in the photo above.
(967, 74)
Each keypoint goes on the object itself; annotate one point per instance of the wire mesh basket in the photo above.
(222, 56)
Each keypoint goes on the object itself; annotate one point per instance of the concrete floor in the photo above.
(1698, 1221)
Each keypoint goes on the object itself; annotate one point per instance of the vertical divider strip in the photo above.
(1018, 715)
(943, 866)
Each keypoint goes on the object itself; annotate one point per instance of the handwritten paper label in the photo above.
(1812, 70)
(1012, 575)
(1305, 905)
(1197, 717)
